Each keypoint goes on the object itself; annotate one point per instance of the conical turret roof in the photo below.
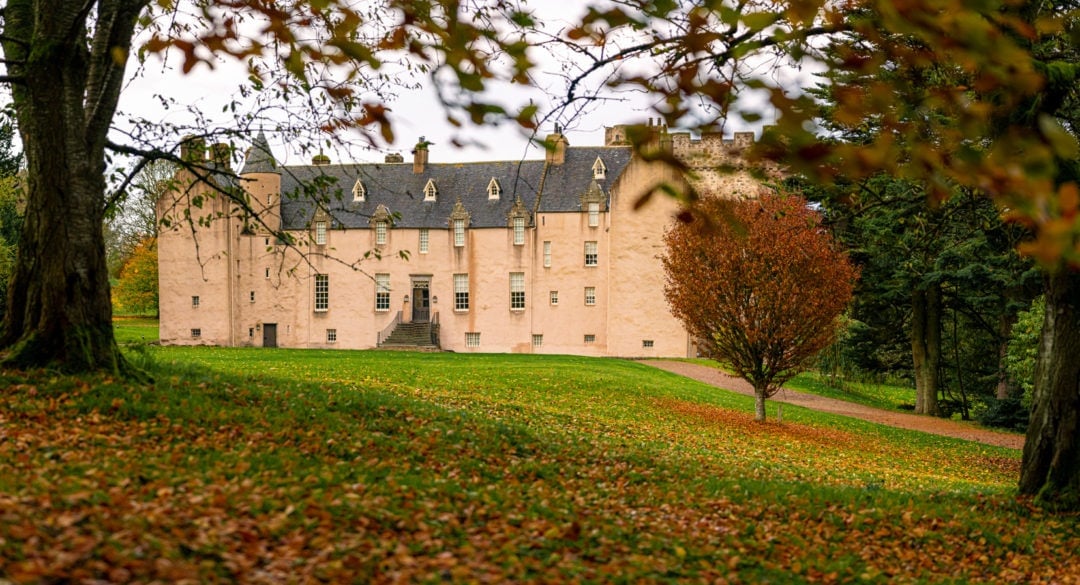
(260, 159)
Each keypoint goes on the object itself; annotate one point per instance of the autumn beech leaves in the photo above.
(759, 284)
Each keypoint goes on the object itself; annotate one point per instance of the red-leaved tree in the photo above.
(760, 284)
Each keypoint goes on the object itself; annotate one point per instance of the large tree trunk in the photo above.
(926, 348)
(759, 404)
(1051, 464)
(59, 311)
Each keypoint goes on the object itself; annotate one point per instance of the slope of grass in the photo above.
(295, 466)
(884, 396)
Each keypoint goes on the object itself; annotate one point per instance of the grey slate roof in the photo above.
(259, 158)
(402, 192)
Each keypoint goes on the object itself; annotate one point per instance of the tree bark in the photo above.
(1051, 463)
(59, 310)
(1005, 386)
(926, 348)
(759, 404)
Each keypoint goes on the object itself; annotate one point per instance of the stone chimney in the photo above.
(420, 156)
(555, 144)
(395, 157)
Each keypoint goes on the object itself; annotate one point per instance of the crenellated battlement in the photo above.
(715, 162)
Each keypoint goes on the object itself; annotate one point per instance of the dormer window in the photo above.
(493, 190)
(359, 193)
(320, 225)
(380, 221)
(519, 231)
(518, 218)
(598, 169)
(459, 221)
(459, 233)
(593, 203)
(430, 191)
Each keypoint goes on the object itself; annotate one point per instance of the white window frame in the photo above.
(459, 233)
(425, 240)
(537, 340)
(382, 292)
(590, 296)
(592, 254)
(647, 343)
(599, 169)
(472, 339)
(553, 297)
(331, 336)
(251, 296)
(381, 229)
(320, 233)
(547, 254)
(431, 192)
(519, 231)
(493, 190)
(359, 193)
(461, 292)
(594, 214)
(517, 291)
(195, 301)
(322, 293)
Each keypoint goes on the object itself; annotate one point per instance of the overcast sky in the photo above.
(415, 113)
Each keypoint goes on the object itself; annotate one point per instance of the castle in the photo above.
(559, 255)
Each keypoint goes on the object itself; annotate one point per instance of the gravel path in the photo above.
(926, 424)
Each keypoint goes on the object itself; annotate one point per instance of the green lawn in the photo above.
(343, 466)
(885, 396)
(135, 330)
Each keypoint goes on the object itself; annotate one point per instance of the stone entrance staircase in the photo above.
(420, 336)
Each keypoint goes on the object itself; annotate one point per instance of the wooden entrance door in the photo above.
(421, 311)
(270, 335)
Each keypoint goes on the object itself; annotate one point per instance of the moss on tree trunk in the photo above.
(1051, 464)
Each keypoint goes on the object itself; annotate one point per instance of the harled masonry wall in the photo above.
(248, 285)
